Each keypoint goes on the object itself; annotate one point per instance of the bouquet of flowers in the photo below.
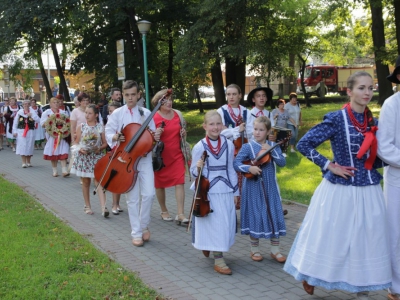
(90, 142)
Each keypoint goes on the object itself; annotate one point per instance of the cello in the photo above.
(117, 172)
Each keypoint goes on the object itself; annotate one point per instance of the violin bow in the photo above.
(187, 167)
(200, 171)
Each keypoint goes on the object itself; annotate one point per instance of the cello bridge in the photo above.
(121, 160)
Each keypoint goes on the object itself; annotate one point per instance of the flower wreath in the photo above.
(58, 126)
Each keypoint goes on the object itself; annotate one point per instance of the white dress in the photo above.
(216, 232)
(39, 130)
(61, 152)
(13, 111)
(24, 143)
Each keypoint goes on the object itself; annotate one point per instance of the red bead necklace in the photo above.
(214, 150)
(236, 118)
(359, 127)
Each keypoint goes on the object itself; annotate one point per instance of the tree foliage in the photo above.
(191, 39)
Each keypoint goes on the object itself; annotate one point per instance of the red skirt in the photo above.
(2, 129)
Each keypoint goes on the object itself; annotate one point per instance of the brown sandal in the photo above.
(308, 288)
(256, 257)
(278, 257)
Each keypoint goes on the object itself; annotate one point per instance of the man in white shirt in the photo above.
(139, 211)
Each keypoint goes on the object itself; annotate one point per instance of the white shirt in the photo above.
(388, 136)
(123, 116)
(252, 115)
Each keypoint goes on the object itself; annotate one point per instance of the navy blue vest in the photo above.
(228, 120)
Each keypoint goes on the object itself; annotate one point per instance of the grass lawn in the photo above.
(300, 177)
(42, 258)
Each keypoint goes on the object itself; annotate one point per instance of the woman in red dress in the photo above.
(173, 173)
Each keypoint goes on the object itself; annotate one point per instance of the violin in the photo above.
(263, 157)
(117, 172)
(158, 162)
(201, 204)
(240, 141)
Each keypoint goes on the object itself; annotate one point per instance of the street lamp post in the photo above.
(144, 28)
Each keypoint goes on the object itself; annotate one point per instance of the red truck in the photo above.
(334, 77)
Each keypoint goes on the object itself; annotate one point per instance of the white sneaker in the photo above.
(292, 150)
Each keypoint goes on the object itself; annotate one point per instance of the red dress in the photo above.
(174, 171)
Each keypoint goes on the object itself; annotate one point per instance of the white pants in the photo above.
(392, 198)
(139, 211)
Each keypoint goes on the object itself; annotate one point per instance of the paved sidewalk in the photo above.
(168, 263)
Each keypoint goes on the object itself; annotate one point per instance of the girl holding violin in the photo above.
(234, 115)
(216, 231)
(234, 119)
(261, 209)
(139, 211)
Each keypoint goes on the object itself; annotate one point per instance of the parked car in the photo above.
(19, 103)
(71, 106)
(206, 91)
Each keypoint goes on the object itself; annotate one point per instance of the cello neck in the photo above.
(135, 138)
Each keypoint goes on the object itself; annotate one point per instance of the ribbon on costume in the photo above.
(26, 129)
(370, 143)
(56, 143)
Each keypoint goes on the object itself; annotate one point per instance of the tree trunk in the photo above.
(303, 87)
(170, 57)
(235, 72)
(218, 83)
(292, 79)
(378, 37)
(63, 85)
(63, 62)
(196, 90)
(396, 4)
(136, 38)
(44, 76)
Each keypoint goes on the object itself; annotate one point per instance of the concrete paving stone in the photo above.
(181, 284)
(196, 284)
(168, 260)
(232, 297)
(203, 297)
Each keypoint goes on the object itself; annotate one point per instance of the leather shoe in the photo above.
(285, 212)
(308, 288)
(206, 253)
(137, 242)
(115, 212)
(223, 271)
(146, 235)
(393, 296)
(256, 257)
(278, 257)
